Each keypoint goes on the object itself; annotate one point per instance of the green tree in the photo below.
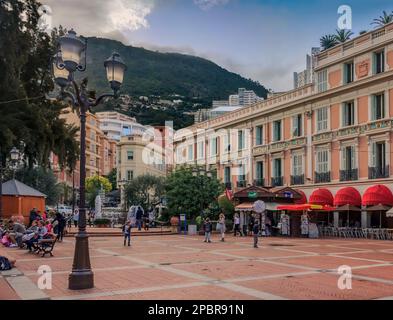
(328, 41)
(146, 191)
(189, 194)
(386, 18)
(27, 114)
(226, 206)
(112, 177)
(93, 187)
(343, 35)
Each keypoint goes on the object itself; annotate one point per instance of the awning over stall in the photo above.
(348, 196)
(376, 195)
(322, 197)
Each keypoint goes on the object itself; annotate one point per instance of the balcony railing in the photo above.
(322, 177)
(259, 183)
(242, 184)
(349, 175)
(228, 185)
(277, 182)
(297, 180)
(378, 172)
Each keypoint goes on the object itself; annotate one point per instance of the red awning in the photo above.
(322, 197)
(348, 196)
(303, 199)
(376, 195)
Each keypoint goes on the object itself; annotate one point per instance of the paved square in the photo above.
(177, 267)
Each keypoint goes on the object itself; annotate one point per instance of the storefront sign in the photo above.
(253, 195)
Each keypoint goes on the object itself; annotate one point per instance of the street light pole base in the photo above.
(81, 280)
(81, 277)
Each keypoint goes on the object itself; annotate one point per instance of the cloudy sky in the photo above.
(265, 40)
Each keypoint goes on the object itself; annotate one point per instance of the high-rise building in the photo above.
(305, 77)
(116, 125)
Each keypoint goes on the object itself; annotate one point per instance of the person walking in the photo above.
(221, 223)
(208, 230)
(139, 215)
(61, 223)
(146, 221)
(255, 231)
(75, 218)
(127, 233)
(236, 222)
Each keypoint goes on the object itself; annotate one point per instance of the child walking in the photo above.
(208, 230)
(127, 233)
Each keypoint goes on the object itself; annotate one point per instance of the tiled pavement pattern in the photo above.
(180, 267)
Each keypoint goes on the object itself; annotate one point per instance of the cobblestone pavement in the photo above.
(181, 267)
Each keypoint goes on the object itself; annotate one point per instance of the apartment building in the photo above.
(100, 151)
(116, 125)
(332, 134)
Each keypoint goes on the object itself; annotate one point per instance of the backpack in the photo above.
(5, 264)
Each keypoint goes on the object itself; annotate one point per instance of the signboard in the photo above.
(182, 217)
(259, 207)
(288, 195)
(253, 195)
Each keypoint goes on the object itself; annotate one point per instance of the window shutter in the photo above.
(344, 159)
(373, 155)
(373, 108)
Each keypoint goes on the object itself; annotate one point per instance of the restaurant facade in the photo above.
(332, 139)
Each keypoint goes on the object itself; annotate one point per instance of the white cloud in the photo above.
(101, 17)
(208, 4)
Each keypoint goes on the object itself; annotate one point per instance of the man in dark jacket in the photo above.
(255, 231)
(139, 215)
(33, 216)
(208, 230)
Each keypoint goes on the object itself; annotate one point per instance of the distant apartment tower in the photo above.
(219, 103)
(247, 97)
(234, 100)
(116, 125)
(305, 77)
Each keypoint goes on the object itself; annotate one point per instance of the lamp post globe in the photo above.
(60, 75)
(14, 154)
(115, 69)
(71, 47)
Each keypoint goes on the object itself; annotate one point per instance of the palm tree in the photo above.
(384, 19)
(328, 41)
(343, 35)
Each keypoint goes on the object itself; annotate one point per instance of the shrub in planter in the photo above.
(102, 223)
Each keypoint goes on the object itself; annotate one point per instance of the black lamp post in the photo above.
(66, 62)
(200, 173)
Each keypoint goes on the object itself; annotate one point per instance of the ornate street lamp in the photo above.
(67, 61)
(15, 155)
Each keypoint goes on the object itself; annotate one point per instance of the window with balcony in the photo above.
(241, 140)
(377, 107)
(241, 179)
(130, 155)
(214, 147)
(130, 175)
(201, 149)
(348, 172)
(379, 166)
(190, 152)
(322, 81)
(259, 135)
(322, 119)
(277, 128)
(227, 143)
(297, 177)
(277, 176)
(322, 174)
(348, 114)
(379, 62)
(227, 178)
(297, 126)
(348, 72)
(260, 180)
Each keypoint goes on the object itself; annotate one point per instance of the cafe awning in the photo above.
(322, 197)
(247, 206)
(376, 195)
(348, 196)
(300, 207)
